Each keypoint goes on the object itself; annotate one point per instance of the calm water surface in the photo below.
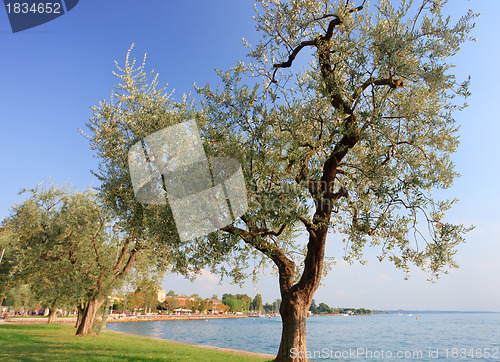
(457, 336)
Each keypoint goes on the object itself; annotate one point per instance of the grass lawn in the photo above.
(56, 342)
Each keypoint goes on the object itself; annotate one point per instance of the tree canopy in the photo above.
(356, 142)
(61, 243)
(366, 131)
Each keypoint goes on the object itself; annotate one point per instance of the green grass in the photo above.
(56, 342)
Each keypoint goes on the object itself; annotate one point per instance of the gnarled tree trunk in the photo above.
(52, 315)
(87, 313)
(297, 298)
(79, 315)
(293, 312)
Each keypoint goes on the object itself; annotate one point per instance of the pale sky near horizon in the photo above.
(52, 74)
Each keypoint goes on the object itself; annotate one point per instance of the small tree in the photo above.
(323, 308)
(22, 298)
(170, 303)
(138, 108)
(313, 308)
(146, 277)
(60, 245)
(257, 303)
(65, 250)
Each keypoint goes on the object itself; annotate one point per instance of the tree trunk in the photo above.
(87, 313)
(79, 315)
(296, 299)
(105, 314)
(293, 312)
(52, 315)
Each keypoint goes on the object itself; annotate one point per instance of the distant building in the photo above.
(182, 299)
(181, 302)
(162, 296)
(214, 302)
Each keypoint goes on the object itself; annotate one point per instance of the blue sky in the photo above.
(52, 74)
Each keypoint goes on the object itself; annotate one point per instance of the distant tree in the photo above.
(21, 297)
(197, 304)
(245, 302)
(238, 302)
(323, 308)
(232, 302)
(171, 293)
(363, 311)
(170, 304)
(313, 308)
(203, 305)
(138, 300)
(146, 276)
(221, 308)
(269, 308)
(257, 303)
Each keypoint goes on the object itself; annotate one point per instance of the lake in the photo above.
(419, 337)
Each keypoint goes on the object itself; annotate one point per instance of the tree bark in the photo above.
(87, 313)
(297, 299)
(293, 312)
(79, 315)
(52, 315)
(105, 314)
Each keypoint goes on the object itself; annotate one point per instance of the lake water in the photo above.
(455, 336)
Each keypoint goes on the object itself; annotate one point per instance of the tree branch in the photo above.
(391, 82)
(291, 57)
(123, 253)
(285, 266)
(129, 263)
(309, 226)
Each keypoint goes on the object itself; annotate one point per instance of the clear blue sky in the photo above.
(52, 74)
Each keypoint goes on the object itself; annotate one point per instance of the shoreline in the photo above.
(149, 318)
(137, 318)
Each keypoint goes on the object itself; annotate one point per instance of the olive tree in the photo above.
(7, 262)
(138, 108)
(356, 143)
(65, 250)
